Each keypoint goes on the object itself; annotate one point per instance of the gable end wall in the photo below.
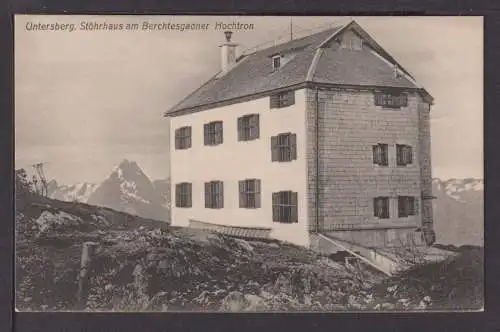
(349, 124)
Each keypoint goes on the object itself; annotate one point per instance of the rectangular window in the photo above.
(381, 207)
(248, 127)
(249, 193)
(285, 207)
(404, 155)
(214, 195)
(352, 43)
(213, 134)
(183, 138)
(381, 154)
(276, 62)
(282, 99)
(284, 147)
(391, 100)
(183, 192)
(406, 206)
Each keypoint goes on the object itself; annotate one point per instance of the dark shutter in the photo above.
(404, 100)
(205, 133)
(293, 146)
(378, 99)
(274, 148)
(257, 193)
(385, 154)
(294, 208)
(241, 186)
(274, 101)
(188, 133)
(375, 154)
(218, 132)
(254, 124)
(177, 195)
(399, 155)
(401, 206)
(189, 195)
(385, 201)
(276, 207)
(291, 98)
(417, 205)
(220, 194)
(207, 195)
(240, 129)
(177, 143)
(410, 155)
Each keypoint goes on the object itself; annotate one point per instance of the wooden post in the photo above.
(87, 251)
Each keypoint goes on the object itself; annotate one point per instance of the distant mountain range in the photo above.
(127, 189)
(458, 211)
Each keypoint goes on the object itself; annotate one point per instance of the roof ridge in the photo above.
(336, 27)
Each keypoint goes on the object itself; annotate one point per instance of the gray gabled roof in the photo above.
(311, 62)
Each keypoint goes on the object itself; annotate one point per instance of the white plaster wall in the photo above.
(236, 160)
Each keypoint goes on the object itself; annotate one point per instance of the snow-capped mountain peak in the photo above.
(77, 192)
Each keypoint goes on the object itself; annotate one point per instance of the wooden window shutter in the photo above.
(293, 146)
(240, 129)
(188, 133)
(177, 195)
(417, 206)
(189, 195)
(274, 148)
(385, 154)
(276, 208)
(205, 134)
(274, 101)
(177, 140)
(207, 195)
(379, 99)
(411, 206)
(257, 193)
(399, 155)
(294, 204)
(401, 206)
(220, 194)
(376, 207)
(410, 155)
(291, 98)
(241, 186)
(404, 99)
(376, 159)
(219, 135)
(254, 124)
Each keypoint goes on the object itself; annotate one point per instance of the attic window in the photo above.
(276, 62)
(352, 42)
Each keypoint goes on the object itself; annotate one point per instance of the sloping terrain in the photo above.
(142, 264)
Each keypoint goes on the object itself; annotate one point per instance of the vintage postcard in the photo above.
(248, 164)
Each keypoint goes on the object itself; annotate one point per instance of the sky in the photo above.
(87, 99)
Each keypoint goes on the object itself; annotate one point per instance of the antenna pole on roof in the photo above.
(291, 29)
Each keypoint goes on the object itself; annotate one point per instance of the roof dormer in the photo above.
(276, 61)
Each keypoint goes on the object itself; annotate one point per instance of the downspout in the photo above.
(317, 158)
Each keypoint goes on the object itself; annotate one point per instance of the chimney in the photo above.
(228, 52)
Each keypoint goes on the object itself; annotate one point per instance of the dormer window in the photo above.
(352, 42)
(276, 62)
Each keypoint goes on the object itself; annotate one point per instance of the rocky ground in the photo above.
(144, 265)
